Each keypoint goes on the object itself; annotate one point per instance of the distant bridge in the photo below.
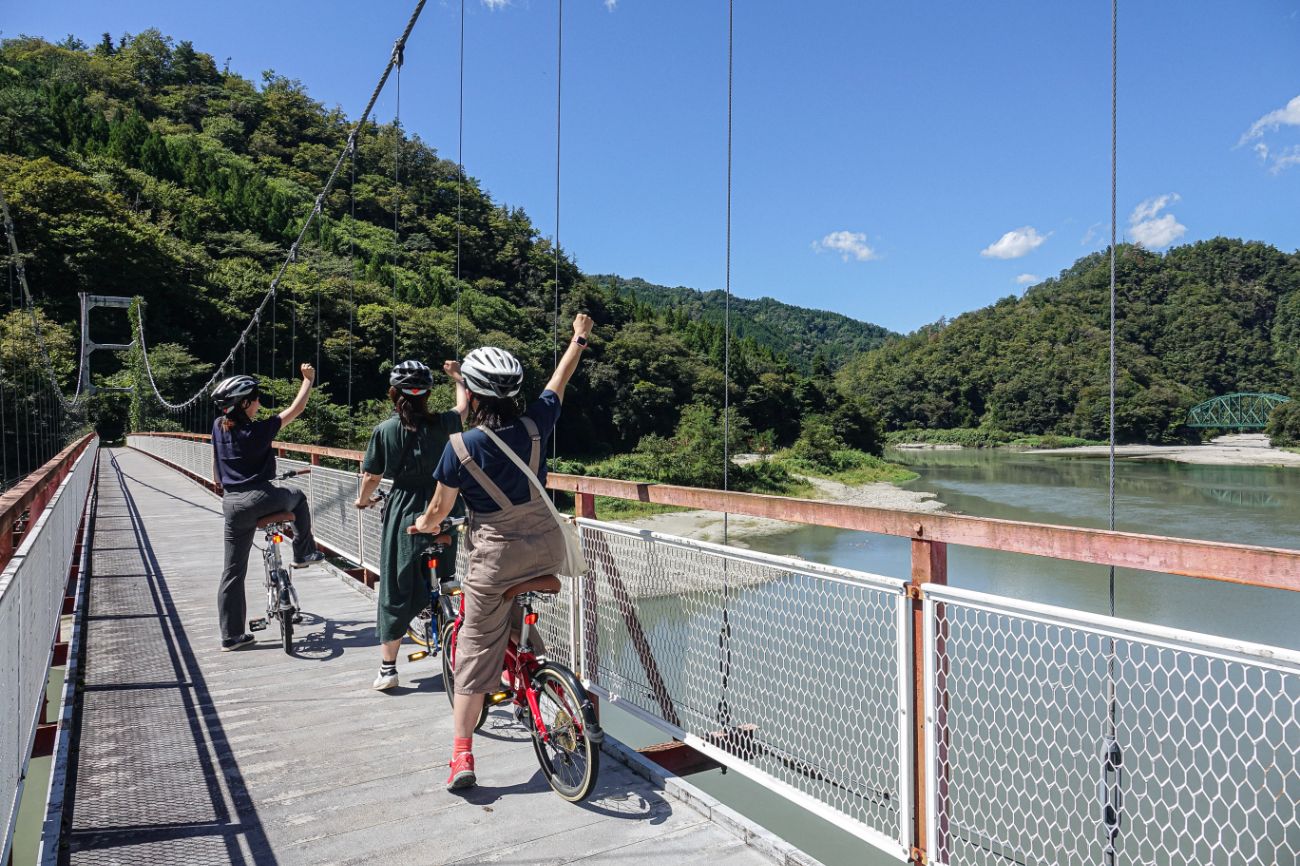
(1241, 411)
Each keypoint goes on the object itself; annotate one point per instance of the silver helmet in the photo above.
(411, 378)
(233, 389)
(492, 372)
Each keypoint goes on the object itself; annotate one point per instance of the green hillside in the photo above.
(801, 334)
(1200, 320)
(139, 167)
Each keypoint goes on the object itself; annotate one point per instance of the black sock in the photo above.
(387, 669)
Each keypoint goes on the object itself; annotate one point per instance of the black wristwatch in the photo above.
(581, 341)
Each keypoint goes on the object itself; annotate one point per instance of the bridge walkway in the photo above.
(188, 754)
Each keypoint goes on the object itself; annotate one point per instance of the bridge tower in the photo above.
(88, 346)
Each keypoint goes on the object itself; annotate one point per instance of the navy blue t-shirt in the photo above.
(244, 455)
(544, 412)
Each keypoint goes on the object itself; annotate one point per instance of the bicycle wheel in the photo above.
(448, 641)
(286, 629)
(570, 756)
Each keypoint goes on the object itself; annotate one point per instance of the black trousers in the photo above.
(242, 509)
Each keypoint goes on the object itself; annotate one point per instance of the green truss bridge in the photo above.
(1242, 411)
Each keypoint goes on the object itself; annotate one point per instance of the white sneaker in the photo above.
(384, 681)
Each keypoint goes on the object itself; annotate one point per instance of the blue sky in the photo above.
(894, 162)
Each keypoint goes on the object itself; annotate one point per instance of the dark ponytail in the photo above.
(236, 417)
(412, 410)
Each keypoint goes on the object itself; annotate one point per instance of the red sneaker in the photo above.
(462, 772)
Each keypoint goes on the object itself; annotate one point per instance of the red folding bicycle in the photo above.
(548, 699)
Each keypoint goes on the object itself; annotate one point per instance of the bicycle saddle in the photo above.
(547, 583)
(278, 517)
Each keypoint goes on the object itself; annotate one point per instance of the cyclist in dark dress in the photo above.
(243, 464)
(405, 448)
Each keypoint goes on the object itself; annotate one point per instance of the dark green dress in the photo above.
(408, 460)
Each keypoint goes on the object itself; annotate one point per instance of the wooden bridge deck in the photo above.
(188, 754)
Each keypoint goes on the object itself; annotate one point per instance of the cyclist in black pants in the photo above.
(243, 464)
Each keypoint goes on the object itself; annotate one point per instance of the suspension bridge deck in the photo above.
(192, 755)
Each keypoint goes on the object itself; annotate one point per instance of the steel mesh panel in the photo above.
(789, 669)
(1022, 702)
(334, 520)
(31, 601)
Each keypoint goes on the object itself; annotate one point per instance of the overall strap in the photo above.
(535, 456)
(457, 441)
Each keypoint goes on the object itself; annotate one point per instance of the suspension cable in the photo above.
(1112, 759)
(397, 187)
(726, 309)
(348, 149)
(30, 304)
(352, 280)
(460, 168)
(555, 322)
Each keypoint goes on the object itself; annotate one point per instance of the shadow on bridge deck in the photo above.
(192, 755)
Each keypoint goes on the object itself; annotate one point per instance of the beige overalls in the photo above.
(505, 547)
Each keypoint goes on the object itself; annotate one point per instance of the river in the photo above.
(1240, 504)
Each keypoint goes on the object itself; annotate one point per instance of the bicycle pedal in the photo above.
(297, 618)
(257, 624)
(499, 697)
(416, 656)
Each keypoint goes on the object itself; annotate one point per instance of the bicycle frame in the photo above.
(520, 665)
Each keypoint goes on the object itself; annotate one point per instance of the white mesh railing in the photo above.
(32, 587)
(786, 671)
(1206, 732)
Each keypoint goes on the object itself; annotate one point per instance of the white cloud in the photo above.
(1026, 279)
(1286, 158)
(1277, 161)
(1094, 232)
(1149, 229)
(611, 5)
(847, 244)
(1288, 115)
(496, 4)
(1014, 244)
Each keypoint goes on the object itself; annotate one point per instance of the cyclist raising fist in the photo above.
(243, 464)
(406, 448)
(512, 535)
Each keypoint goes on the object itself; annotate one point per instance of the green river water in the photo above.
(1242, 504)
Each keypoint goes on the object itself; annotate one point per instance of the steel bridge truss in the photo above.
(1243, 411)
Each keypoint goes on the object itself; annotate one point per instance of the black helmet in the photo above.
(411, 378)
(492, 372)
(230, 391)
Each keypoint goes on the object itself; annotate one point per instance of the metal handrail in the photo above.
(1248, 565)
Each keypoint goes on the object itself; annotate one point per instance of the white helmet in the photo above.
(492, 372)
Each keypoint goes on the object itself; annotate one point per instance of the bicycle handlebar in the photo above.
(292, 473)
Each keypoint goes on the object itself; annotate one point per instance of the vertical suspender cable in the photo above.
(352, 283)
(726, 309)
(399, 53)
(460, 168)
(555, 322)
(1112, 760)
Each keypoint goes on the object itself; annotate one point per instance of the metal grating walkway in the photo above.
(190, 755)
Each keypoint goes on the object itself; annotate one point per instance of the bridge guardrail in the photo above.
(32, 588)
(933, 723)
(1024, 699)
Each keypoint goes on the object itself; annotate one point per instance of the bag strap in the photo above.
(535, 456)
(457, 441)
(532, 476)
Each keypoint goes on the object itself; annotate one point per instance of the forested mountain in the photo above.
(801, 334)
(1201, 320)
(139, 167)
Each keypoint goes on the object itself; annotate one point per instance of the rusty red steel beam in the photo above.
(32, 493)
(1270, 567)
